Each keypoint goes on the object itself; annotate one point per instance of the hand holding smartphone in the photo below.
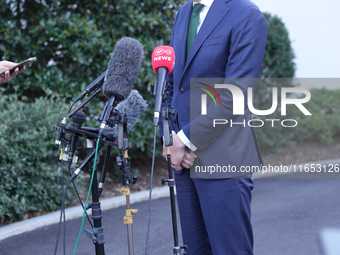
(9, 69)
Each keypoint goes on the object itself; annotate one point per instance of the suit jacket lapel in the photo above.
(216, 13)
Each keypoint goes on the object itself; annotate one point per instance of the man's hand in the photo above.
(4, 65)
(177, 151)
(189, 158)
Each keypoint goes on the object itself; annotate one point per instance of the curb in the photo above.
(114, 202)
(18, 228)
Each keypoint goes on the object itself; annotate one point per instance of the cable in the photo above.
(81, 202)
(63, 204)
(87, 198)
(62, 194)
(150, 192)
(62, 211)
(71, 107)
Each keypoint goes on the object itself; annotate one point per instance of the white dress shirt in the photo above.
(203, 14)
(204, 11)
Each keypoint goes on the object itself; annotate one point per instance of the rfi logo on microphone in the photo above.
(161, 51)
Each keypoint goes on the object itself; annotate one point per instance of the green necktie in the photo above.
(193, 25)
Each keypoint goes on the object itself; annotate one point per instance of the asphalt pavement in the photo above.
(287, 214)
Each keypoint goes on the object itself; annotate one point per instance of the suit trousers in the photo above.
(215, 215)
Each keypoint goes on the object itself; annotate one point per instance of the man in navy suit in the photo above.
(228, 42)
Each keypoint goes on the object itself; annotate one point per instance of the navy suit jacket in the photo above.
(230, 44)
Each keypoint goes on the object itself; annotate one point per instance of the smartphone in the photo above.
(19, 65)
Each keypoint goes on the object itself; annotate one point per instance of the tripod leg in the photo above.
(172, 201)
(128, 219)
(97, 233)
(177, 248)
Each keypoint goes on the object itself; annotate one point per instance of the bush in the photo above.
(29, 169)
(277, 63)
(324, 123)
(72, 40)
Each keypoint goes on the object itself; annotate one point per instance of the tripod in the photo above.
(90, 134)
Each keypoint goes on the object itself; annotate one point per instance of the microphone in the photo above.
(163, 61)
(121, 74)
(94, 85)
(78, 120)
(127, 59)
(123, 68)
(134, 106)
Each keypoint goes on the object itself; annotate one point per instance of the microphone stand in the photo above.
(166, 116)
(127, 181)
(124, 164)
(96, 93)
(111, 117)
(97, 233)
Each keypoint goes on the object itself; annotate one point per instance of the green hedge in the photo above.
(277, 63)
(29, 166)
(73, 40)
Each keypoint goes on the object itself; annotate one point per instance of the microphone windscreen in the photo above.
(163, 56)
(123, 68)
(133, 106)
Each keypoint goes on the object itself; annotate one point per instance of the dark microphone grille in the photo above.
(79, 117)
(123, 68)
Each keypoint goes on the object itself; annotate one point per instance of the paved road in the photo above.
(287, 214)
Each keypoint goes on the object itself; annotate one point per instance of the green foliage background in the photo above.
(29, 172)
(72, 41)
(277, 63)
(324, 124)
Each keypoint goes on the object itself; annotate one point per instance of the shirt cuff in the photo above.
(186, 141)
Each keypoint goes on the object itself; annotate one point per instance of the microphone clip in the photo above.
(165, 94)
(112, 118)
(167, 131)
(124, 164)
(116, 118)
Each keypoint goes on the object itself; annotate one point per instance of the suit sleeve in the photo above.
(248, 41)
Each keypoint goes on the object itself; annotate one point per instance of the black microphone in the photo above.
(78, 120)
(121, 74)
(94, 85)
(134, 106)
